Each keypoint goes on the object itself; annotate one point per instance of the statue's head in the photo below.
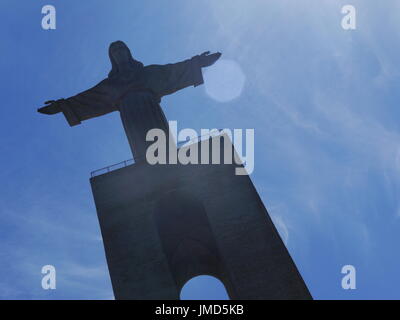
(121, 59)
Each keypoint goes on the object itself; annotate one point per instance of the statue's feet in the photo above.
(52, 108)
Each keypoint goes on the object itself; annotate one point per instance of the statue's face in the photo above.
(120, 52)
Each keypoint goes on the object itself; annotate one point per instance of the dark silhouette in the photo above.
(134, 90)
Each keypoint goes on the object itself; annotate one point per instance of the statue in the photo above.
(135, 91)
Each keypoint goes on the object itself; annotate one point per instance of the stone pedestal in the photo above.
(165, 224)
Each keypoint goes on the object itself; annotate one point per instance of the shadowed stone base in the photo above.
(163, 225)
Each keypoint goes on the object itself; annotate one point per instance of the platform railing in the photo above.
(129, 162)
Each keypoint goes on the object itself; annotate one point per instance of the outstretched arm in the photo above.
(169, 78)
(208, 59)
(86, 105)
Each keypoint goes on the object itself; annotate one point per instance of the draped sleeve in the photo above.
(88, 104)
(169, 78)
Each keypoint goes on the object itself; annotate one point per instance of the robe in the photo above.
(137, 98)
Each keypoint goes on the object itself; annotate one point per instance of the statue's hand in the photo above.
(51, 107)
(207, 59)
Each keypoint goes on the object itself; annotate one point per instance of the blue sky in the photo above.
(323, 102)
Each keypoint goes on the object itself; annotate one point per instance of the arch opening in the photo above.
(204, 287)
